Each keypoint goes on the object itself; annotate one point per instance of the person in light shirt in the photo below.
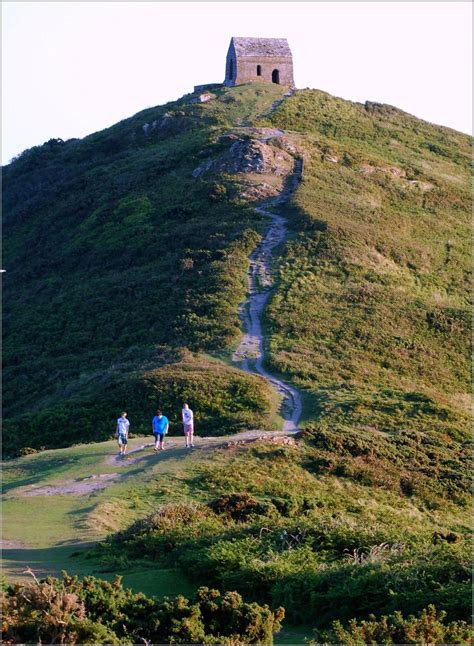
(188, 424)
(121, 433)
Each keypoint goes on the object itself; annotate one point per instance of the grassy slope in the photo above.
(371, 312)
(373, 298)
(117, 258)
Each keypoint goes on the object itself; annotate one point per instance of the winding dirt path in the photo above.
(250, 354)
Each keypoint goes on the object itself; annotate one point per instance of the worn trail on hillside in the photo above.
(141, 454)
(250, 354)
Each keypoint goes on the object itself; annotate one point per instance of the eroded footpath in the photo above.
(250, 355)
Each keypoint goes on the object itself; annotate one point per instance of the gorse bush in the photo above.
(238, 506)
(430, 627)
(69, 611)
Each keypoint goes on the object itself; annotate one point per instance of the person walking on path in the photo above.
(121, 433)
(188, 424)
(159, 426)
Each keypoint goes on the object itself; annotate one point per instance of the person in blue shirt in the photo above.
(159, 427)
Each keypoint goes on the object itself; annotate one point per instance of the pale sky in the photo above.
(72, 68)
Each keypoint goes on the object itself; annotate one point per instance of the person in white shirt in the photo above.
(121, 433)
(188, 423)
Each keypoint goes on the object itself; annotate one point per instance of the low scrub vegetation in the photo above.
(92, 611)
(429, 627)
(280, 533)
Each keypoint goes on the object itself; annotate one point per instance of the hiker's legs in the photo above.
(188, 435)
(157, 441)
(162, 438)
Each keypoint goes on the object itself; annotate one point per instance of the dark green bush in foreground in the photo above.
(93, 611)
(428, 628)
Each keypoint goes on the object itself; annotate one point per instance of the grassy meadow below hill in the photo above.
(258, 517)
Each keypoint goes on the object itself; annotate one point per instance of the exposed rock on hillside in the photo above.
(170, 123)
(394, 171)
(253, 156)
(250, 156)
(202, 98)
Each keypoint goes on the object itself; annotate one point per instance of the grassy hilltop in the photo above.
(125, 271)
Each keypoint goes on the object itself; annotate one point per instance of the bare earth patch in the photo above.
(79, 487)
(10, 545)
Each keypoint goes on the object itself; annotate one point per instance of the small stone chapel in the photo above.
(267, 60)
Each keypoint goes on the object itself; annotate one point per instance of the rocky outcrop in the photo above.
(202, 98)
(170, 123)
(250, 156)
(394, 171)
(254, 156)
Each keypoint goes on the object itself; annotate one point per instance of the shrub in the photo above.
(238, 506)
(429, 627)
(94, 611)
(171, 529)
(407, 581)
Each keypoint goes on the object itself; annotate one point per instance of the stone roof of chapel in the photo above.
(261, 46)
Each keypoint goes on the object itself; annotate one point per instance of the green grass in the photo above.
(46, 529)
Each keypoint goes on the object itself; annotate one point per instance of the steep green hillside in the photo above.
(117, 257)
(377, 280)
(371, 313)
